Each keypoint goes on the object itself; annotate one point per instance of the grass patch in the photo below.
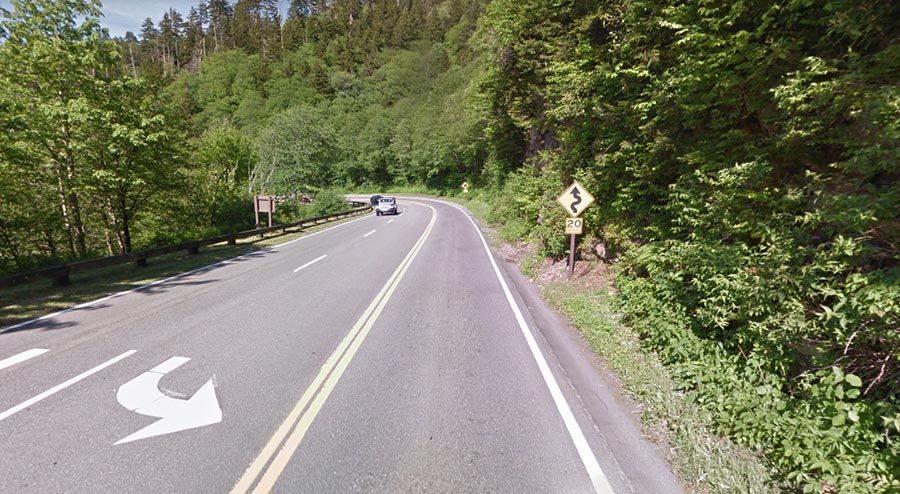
(528, 264)
(709, 462)
(41, 297)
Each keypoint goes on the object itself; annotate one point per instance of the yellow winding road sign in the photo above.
(575, 199)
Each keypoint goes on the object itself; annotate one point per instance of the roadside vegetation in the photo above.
(744, 157)
(709, 462)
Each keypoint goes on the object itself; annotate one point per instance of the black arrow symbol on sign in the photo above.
(577, 195)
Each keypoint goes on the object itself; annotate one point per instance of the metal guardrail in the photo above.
(61, 273)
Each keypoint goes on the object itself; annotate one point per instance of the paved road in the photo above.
(386, 354)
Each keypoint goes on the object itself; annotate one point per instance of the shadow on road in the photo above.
(50, 323)
(165, 286)
(93, 285)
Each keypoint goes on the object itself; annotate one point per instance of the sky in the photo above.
(127, 15)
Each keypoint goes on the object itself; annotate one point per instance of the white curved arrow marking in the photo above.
(142, 395)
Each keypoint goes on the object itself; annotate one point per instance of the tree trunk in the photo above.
(133, 67)
(125, 220)
(109, 245)
(113, 214)
(64, 209)
(80, 237)
(126, 235)
(74, 216)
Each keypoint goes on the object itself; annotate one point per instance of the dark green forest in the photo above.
(744, 156)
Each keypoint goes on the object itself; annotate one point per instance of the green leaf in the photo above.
(853, 380)
(839, 419)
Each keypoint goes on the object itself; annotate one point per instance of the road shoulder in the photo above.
(638, 412)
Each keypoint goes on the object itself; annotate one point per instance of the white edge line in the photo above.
(366, 235)
(310, 263)
(170, 278)
(598, 479)
(59, 387)
(21, 357)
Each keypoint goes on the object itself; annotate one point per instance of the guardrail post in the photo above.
(194, 249)
(232, 241)
(61, 278)
(140, 262)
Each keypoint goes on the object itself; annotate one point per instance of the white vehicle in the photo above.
(386, 205)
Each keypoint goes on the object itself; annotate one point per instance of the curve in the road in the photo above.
(301, 417)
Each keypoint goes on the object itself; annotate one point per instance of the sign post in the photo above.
(571, 255)
(574, 200)
(264, 204)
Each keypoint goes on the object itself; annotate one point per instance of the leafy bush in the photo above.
(327, 201)
(815, 427)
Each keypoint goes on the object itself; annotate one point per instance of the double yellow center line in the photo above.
(275, 455)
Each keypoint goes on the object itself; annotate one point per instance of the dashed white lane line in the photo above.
(310, 263)
(366, 235)
(390, 221)
(21, 357)
(59, 387)
(289, 242)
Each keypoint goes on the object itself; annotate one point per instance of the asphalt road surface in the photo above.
(385, 354)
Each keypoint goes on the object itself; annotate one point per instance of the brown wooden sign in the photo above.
(264, 204)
